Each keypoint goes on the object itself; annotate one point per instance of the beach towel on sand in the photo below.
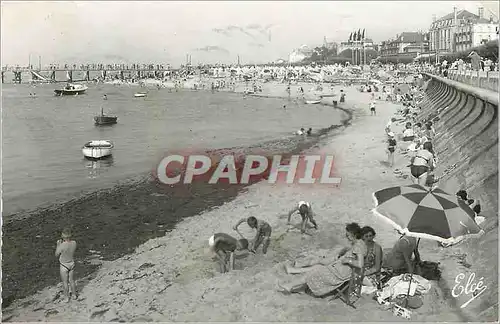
(399, 286)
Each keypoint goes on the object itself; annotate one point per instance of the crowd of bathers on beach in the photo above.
(322, 276)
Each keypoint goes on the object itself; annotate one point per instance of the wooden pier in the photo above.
(74, 73)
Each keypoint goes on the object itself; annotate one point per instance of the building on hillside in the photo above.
(405, 43)
(358, 45)
(461, 30)
(300, 54)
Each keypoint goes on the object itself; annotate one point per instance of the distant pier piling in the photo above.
(76, 73)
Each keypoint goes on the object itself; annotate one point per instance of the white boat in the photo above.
(97, 149)
(71, 89)
(140, 95)
(312, 102)
(248, 91)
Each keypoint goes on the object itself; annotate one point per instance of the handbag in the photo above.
(429, 270)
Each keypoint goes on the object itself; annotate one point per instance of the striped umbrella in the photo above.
(422, 213)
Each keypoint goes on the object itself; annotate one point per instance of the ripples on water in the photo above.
(43, 136)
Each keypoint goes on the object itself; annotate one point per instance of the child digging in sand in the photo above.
(306, 212)
(226, 248)
(263, 235)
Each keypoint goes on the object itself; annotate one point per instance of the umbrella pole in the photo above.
(411, 278)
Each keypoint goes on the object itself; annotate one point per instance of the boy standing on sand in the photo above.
(224, 247)
(306, 212)
(65, 250)
(372, 108)
(263, 233)
(391, 147)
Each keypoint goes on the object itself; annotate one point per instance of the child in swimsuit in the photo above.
(306, 212)
(224, 247)
(263, 235)
(65, 250)
(391, 148)
(372, 108)
(422, 163)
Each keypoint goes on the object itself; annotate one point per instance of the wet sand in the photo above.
(172, 278)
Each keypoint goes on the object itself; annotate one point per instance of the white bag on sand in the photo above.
(399, 286)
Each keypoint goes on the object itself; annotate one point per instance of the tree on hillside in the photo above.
(323, 54)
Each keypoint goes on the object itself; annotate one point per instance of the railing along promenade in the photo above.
(481, 79)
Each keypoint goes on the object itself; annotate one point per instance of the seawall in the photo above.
(467, 144)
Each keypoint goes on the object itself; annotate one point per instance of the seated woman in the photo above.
(408, 134)
(373, 259)
(320, 279)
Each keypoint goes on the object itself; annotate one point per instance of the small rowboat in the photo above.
(105, 119)
(312, 102)
(97, 149)
(140, 95)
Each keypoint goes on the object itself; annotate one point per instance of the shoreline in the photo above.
(36, 230)
(78, 192)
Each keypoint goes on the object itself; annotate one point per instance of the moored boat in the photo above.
(71, 89)
(140, 95)
(104, 119)
(97, 149)
(312, 102)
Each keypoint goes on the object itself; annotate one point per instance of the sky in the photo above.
(209, 31)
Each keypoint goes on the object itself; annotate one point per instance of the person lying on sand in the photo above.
(306, 212)
(65, 250)
(321, 280)
(263, 235)
(226, 248)
(305, 264)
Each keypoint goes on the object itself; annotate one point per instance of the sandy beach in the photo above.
(172, 278)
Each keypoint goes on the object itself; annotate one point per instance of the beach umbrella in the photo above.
(432, 214)
(419, 212)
